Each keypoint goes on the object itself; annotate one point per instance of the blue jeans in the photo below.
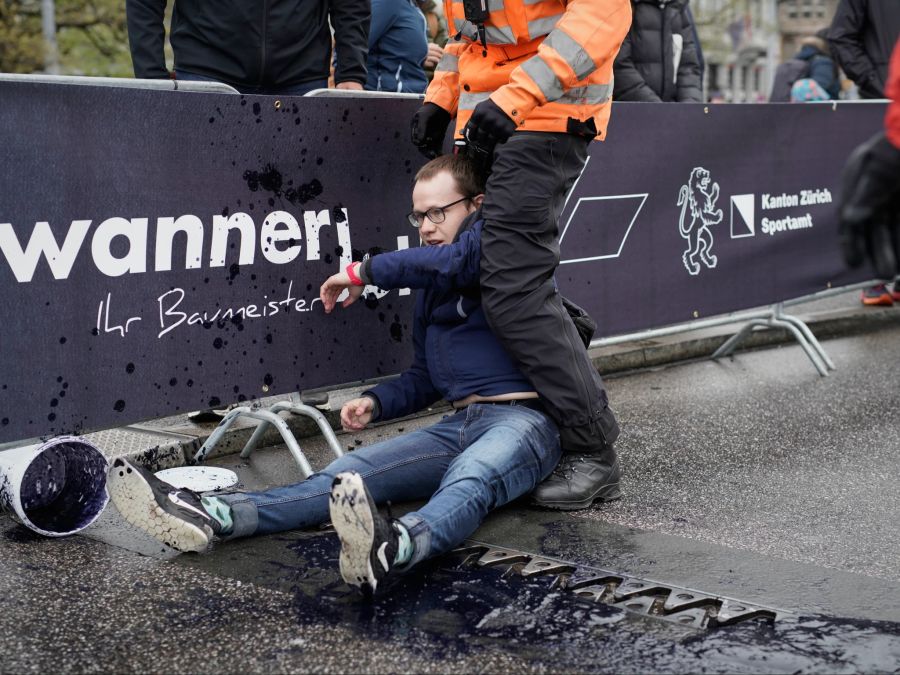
(291, 90)
(466, 465)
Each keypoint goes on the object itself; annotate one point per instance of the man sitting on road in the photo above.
(498, 445)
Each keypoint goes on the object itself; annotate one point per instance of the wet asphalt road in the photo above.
(752, 478)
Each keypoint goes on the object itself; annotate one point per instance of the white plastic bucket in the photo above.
(56, 487)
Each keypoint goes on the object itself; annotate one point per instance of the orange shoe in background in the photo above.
(878, 295)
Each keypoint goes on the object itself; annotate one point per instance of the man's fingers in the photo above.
(354, 292)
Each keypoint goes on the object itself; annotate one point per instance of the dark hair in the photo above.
(460, 167)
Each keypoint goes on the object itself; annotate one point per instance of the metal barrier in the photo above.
(767, 317)
(302, 163)
(356, 93)
(267, 417)
(129, 83)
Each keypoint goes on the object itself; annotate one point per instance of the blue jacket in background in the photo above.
(455, 352)
(398, 44)
(822, 69)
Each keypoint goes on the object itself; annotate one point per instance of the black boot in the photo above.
(580, 480)
(589, 469)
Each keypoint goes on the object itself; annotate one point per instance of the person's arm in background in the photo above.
(383, 17)
(846, 40)
(629, 84)
(146, 37)
(689, 80)
(350, 20)
(821, 69)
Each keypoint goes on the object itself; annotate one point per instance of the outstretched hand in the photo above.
(356, 413)
(334, 286)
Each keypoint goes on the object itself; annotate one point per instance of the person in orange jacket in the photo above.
(870, 199)
(530, 85)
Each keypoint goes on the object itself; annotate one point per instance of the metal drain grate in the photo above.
(153, 448)
(683, 606)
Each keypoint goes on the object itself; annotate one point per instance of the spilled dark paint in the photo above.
(449, 606)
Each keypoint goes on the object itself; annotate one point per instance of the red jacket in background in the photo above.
(892, 91)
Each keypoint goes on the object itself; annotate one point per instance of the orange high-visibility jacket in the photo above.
(546, 61)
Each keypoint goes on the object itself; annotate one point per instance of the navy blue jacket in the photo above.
(821, 69)
(398, 44)
(455, 352)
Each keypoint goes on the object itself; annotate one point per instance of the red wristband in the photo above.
(354, 277)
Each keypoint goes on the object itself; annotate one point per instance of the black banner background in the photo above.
(83, 153)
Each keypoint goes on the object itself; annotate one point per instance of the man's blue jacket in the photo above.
(455, 352)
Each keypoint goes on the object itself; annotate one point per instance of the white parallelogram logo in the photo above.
(743, 216)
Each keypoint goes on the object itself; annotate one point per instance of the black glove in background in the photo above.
(869, 213)
(429, 126)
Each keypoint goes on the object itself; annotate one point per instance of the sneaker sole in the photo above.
(881, 301)
(608, 493)
(134, 499)
(351, 516)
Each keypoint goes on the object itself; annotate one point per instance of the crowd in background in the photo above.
(394, 46)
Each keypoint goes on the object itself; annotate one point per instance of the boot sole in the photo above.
(351, 515)
(135, 500)
(607, 493)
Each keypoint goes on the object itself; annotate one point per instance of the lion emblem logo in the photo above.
(701, 200)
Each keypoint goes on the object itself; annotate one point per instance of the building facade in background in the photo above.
(745, 40)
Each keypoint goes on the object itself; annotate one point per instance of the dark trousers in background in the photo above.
(530, 176)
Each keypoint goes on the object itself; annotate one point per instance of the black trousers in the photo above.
(531, 174)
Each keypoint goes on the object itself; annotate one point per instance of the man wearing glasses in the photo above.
(496, 446)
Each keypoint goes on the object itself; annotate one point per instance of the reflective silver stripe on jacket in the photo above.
(492, 5)
(543, 77)
(492, 34)
(448, 63)
(574, 54)
(592, 94)
(469, 101)
(540, 27)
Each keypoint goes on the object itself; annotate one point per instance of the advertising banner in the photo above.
(161, 252)
(689, 211)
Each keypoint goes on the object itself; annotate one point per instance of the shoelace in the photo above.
(566, 468)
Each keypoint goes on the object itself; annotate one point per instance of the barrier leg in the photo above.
(813, 341)
(732, 343)
(320, 419)
(297, 409)
(219, 432)
(254, 438)
(801, 339)
(287, 436)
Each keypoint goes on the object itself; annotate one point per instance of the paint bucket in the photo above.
(57, 487)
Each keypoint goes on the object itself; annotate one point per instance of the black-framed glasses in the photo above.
(435, 214)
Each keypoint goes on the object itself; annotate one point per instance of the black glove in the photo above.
(429, 126)
(869, 213)
(488, 126)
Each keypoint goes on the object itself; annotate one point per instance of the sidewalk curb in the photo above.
(614, 360)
